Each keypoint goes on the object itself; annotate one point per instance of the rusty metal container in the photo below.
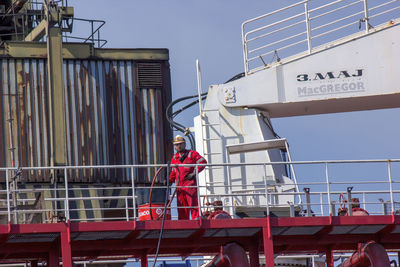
(114, 115)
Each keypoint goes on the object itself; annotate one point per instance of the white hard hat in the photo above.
(178, 140)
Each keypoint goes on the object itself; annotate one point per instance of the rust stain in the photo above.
(100, 97)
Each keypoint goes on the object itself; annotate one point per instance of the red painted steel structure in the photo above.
(134, 239)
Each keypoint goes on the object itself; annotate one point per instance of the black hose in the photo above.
(187, 106)
(163, 219)
(179, 127)
(236, 77)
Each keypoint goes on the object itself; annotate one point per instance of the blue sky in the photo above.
(210, 30)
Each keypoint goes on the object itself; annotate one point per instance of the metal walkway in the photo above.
(102, 224)
(130, 239)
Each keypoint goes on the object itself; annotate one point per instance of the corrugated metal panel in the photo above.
(110, 119)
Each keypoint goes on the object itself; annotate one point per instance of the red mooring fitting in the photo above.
(231, 255)
(368, 254)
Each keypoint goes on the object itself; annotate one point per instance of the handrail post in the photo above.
(66, 195)
(390, 185)
(321, 199)
(245, 58)
(308, 201)
(308, 25)
(8, 197)
(126, 209)
(328, 188)
(266, 188)
(366, 16)
(133, 193)
(198, 190)
(349, 201)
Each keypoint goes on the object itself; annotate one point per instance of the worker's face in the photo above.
(180, 147)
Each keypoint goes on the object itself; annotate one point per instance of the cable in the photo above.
(267, 122)
(187, 106)
(151, 189)
(151, 192)
(179, 127)
(163, 220)
(236, 77)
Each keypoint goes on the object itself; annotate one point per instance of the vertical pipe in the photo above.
(66, 195)
(390, 185)
(366, 16)
(199, 85)
(307, 15)
(133, 193)
(8, 197)
(328, 188)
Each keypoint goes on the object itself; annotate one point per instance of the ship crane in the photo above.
(356, 72)
(335, 56)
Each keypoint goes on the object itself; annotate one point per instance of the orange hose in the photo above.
(151, 189)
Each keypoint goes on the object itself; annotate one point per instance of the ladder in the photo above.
(211, 136)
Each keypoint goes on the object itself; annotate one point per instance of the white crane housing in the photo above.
(310, 73)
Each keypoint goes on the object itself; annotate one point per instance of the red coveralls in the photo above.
(186, 197)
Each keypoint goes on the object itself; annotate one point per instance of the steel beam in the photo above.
(56, 97)
(254, 256)
(143, 261)
(38, 32)
(53, 258)
(66, 250)
(329, 258)
(268, 244)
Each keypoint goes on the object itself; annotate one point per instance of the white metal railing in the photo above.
(375, 183)
(304, 28)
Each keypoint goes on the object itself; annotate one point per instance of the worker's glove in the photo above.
(190, 176)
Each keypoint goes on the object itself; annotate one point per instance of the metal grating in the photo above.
(339, 230)
(167, 234)
(278, 230)
(32, 238)
(99, 235)
(149, 75)
(396, 230)
(303, 230)
(367, 229)
(239, 232)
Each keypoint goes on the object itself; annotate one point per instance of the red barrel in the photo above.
(156, 210)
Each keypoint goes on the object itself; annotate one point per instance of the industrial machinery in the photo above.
(74, 103)
(83, 133)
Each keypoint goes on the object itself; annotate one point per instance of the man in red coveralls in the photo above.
(186, 176)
